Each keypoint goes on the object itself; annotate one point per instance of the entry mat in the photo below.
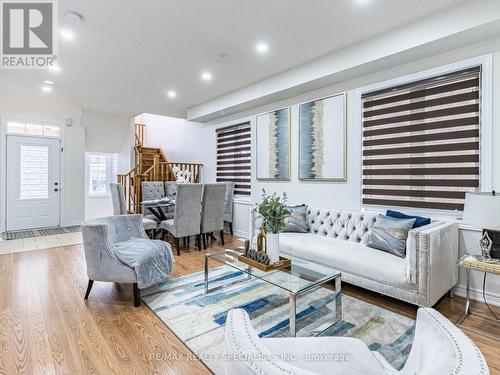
(28, 233)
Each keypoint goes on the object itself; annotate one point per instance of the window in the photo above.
(234, 153)
(101, 170)
(29, 128)
(34, 166)
(421, 142)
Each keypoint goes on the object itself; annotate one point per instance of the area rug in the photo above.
(199, 319)
(29, 233)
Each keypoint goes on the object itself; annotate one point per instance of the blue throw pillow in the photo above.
(419, 220)
(390, 235)
(297, 222)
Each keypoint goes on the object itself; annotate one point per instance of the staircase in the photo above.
(150, 164)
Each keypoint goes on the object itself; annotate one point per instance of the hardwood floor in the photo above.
(46, 327)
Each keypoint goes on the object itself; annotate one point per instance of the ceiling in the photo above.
(127, 55)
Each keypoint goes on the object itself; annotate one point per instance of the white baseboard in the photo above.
(240, 233)
(477, 295)
(71, 223)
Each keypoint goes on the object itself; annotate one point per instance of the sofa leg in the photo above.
(222, 237)
(231, 228)
(451, 293)
(198, 241)
(89, 287)
(178, 247)
(137, 296)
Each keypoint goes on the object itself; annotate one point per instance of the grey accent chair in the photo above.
(120, 206)
(186, 221)
(99, 236)
(212, 211)
(228, 205)
(439, 347)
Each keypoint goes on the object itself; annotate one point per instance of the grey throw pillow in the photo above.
(297, 222)
(390, 234)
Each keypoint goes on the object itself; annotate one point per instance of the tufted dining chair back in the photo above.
(152, 190)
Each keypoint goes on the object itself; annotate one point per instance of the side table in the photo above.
(470, 263)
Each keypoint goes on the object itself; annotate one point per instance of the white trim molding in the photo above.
(477, 295)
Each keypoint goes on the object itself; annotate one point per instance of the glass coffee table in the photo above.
(298, 279)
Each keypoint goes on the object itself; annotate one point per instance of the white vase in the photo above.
(273, 247)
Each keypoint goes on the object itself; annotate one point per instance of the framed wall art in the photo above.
(322, 139)
(273, 145)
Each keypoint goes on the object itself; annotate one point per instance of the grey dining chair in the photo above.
(153, 190)
(170, 189)
(228, 205)
(186, 221)
(120, 206)
(99, 236)
(212, 210)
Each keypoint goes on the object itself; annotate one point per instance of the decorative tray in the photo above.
(283, 262)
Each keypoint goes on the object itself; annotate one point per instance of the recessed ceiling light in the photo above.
(171, 94)
(54, 68)
(206, 76)
(362, 2)
(48, 82)
(73, 18)
(262, 47)
(46, 88)
(67, 35)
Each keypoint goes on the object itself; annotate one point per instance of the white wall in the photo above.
(47, 108)
(181, 140)
(347, 195)
(106, 133)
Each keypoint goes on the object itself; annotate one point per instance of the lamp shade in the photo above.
(482, 210)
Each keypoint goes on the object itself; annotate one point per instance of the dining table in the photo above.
(157, 208)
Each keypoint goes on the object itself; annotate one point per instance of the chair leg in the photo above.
(222, 237)
(89, 287)
(204, 241)
(177, 246)
(231, 228)
(189, 241)
(184, 241)
(198, 241)
(137, 296)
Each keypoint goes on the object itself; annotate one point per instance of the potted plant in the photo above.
(274, 215)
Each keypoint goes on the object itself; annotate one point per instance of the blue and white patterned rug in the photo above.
(198, 319)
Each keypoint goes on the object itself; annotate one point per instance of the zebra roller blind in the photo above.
(234, 157)
(421, 142)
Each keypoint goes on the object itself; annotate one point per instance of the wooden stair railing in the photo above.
(151, 164)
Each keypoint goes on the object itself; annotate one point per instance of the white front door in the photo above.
(33, 183)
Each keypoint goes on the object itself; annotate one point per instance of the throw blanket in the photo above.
(151, 259)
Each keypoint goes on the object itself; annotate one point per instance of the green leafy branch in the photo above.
(273, 211)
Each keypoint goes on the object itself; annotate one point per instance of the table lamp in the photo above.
(482, 210)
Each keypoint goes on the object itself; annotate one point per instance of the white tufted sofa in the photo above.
(337, 240)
